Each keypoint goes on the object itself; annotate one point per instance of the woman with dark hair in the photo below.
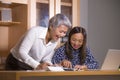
(74, 53)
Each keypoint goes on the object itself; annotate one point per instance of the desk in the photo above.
(65, 75)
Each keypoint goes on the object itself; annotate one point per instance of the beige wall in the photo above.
(3, 40)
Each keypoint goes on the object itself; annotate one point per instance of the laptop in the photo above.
(112, 60)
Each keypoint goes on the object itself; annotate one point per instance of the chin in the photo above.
(75, 48)
(55, 39)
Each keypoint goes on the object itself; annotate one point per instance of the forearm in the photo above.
(92, 65)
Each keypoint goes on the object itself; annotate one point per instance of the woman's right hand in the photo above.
(66, 64)
(42, 66)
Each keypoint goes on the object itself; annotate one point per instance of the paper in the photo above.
(53, 68)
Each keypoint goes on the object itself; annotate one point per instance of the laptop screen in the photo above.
(112, 60)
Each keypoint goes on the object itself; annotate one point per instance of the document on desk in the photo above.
(54, 68)
(59, 68)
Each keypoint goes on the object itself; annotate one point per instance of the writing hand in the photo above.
(66, 63)
(42, 66)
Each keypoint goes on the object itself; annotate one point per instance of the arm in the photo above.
(50, 54)
(47, 58)
(60, 59)
(59, 55)
(90, 60)
(25, 46)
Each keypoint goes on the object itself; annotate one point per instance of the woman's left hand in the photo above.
(80, 67)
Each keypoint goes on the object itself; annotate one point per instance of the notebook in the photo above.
(112, 60)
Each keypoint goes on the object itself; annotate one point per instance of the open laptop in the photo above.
(112, 60)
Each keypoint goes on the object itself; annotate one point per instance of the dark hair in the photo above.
(58, 20)
(82, 50)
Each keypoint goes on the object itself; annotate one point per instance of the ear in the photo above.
(51, 28)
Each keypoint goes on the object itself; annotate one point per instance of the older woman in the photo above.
(36, 47)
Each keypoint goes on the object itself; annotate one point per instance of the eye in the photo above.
(60, 31)
(73, 39)
(80, 41)
(63, 32)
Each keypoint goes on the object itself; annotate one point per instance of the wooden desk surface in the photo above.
(17, 75)
(62, 73)
(67, 73)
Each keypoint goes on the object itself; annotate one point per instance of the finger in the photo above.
(70, 65)
(48, 64)
(66, 64)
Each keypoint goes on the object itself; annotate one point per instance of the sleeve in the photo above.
(48, 57)
(25, 47)
(59, 55)
(90, 60)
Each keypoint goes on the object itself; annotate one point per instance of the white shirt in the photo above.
(32, 48)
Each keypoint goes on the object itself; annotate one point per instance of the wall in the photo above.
(3, 40)
(101, 18)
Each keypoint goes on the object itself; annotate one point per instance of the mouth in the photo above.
(75, 47)
(56, 37)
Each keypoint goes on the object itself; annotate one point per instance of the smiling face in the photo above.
(58, 32)
(76, 40)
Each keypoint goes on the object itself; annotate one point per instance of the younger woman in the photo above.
(74, 53)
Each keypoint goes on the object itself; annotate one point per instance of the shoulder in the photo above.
(61, 48)
(87, 48)
(88, 51)
(38, 29)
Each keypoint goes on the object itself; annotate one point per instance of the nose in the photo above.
(76, 43)
(62, 34)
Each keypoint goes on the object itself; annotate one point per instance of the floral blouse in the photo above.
(89, 61)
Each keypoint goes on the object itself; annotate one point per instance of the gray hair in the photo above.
(58, 20)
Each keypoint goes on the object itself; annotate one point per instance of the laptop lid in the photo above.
(112, 60)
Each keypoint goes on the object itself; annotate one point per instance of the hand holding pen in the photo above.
(42, 66)
(66, 64)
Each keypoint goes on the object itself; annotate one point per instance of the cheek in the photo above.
(55, 32)
(76, 44)
(72, 43)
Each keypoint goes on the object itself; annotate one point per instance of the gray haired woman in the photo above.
(36, 48)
